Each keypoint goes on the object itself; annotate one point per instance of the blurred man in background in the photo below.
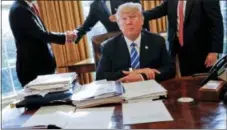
(34, 54)
(195, 32)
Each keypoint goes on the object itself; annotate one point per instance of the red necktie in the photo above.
(35, 10)
(181, 22)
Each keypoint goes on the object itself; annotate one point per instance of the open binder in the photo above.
(143, 90)
(98, 93)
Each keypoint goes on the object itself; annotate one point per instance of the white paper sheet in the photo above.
(144, 112)
(91, 118)
(55, 115)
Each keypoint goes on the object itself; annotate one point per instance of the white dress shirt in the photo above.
(137, 42)
(29, 3)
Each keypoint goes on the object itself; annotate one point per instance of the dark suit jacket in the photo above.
(99, 12)
(153, 54)
(203, 28)
(32, 38)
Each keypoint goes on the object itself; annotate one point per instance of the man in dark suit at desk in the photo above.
(135, 48)
(34, 54)
(195, 32)
(101, 10)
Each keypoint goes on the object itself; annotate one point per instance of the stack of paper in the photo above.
(97, 93)
(143, 90)
(44, 84)
(68, 117)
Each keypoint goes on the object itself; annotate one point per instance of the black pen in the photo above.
(42, 127)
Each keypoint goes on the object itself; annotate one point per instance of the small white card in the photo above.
(54, 115)
(212, 84)
(91, 118)
(144, 112)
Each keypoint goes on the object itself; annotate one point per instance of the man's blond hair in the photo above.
(129, 7)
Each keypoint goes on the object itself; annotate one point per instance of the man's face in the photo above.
(131, 24)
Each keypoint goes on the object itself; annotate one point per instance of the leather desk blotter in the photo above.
(211, 90)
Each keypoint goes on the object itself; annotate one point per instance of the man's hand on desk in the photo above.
(131, 77)
(71, 36)
(138, 75)
(150, 73)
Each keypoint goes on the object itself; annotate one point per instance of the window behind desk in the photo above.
(223, 4)
(10, 83)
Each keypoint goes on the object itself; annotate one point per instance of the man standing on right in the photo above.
(195, 32)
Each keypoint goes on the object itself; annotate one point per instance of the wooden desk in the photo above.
(84, 66)
(198, 114)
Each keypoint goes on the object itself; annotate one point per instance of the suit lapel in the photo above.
(188, 9)
(35, 15)
(39, 21)
(174, 11)
(144, 50)
(123, 50)
(42, 24)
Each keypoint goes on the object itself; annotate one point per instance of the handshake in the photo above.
(71, 36)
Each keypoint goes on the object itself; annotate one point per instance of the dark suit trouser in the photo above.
(25, 79)
(189, 64)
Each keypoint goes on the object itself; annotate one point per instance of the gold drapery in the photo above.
(60, 16)
(159, 25)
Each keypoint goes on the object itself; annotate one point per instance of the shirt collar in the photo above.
(137, 41)
(29, 3)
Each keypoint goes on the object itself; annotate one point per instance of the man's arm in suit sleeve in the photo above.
(156, 12)
(167, 67)
(32, 28)
(89, 23)
(215, 20)
(104, 69)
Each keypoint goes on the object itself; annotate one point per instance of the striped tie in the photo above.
(135, 59)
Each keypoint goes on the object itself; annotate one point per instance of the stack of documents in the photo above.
(68, 117)
(98, 93)
(143, 90)
(44, 84)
